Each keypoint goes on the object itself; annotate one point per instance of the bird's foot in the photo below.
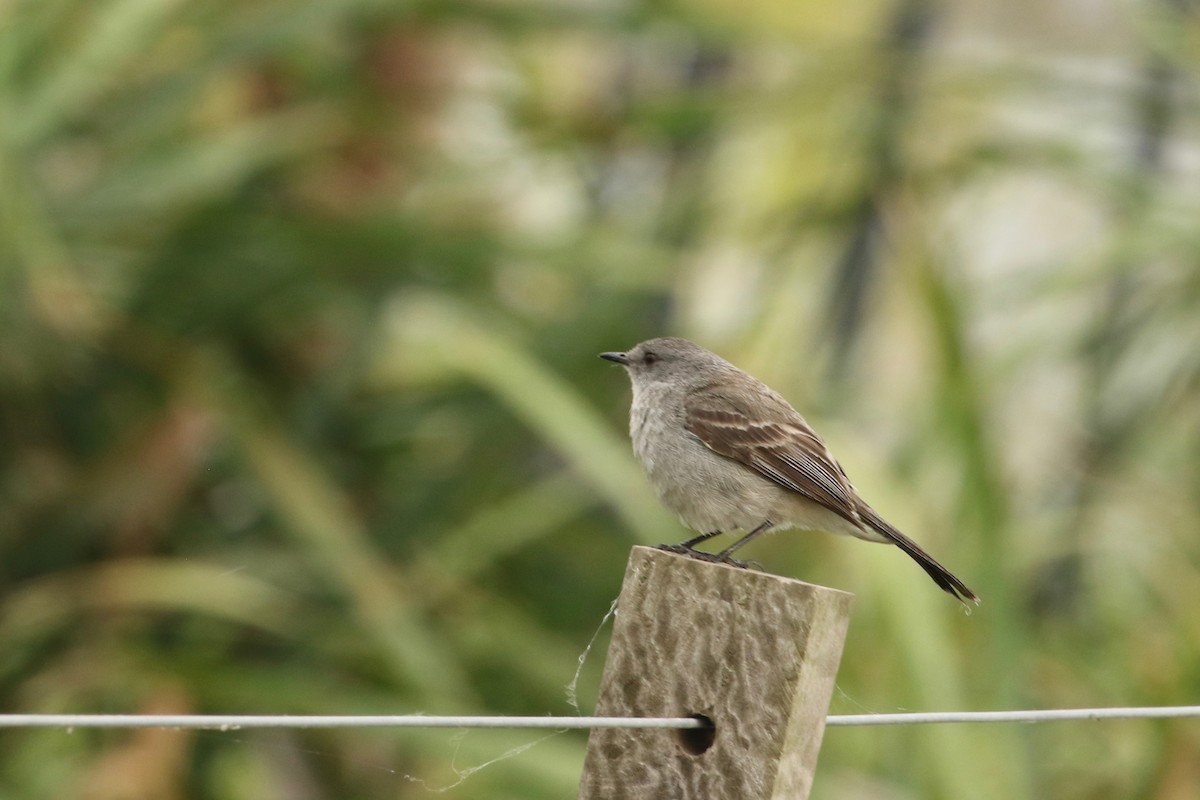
(712, 558)
(733, 562)
(681, 549)
(691, 552)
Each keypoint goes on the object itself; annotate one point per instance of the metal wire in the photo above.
(1034, 715)
(236, 722)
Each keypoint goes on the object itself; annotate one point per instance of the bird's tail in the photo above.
(941, 576)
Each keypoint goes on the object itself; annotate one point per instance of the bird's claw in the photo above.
(733, 562)
(712, 558)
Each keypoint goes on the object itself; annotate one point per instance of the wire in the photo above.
(1037, 715)
(235, 722)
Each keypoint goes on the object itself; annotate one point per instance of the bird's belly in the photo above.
(727, 508)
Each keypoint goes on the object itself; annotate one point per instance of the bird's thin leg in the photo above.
(690, 544)
(727, 554)
(689, 547)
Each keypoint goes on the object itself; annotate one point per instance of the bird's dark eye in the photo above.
(649, 358)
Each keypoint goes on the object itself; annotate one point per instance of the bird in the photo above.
(725, 452)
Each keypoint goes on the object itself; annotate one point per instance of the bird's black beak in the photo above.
(619, 358)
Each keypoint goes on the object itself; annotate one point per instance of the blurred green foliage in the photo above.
(300, 410)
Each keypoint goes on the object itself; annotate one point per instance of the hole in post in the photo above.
(695, 741)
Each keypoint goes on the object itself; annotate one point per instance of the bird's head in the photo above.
(665, 359)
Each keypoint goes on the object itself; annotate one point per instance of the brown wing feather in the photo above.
(777, 442)
(783, 449)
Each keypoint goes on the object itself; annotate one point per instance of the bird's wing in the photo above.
(778, 444)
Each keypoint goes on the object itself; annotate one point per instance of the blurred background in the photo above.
(300, 409)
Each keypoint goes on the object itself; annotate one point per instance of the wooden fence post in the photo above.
(754, 653)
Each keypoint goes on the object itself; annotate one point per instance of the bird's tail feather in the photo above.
(941, 576)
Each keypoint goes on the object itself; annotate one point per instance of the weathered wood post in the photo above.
(754, 653)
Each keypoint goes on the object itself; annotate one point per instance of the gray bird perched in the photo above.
(726, 452)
